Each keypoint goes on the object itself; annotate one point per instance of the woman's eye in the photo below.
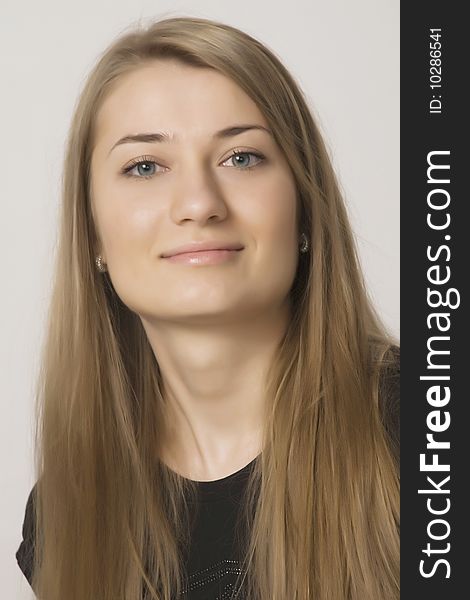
(243, 161)
(143, 169)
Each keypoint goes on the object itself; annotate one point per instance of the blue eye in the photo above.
(146, 166)
(244, 165)
(145, 171)
(138, 164)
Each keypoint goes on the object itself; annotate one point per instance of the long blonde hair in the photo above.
(320, 517)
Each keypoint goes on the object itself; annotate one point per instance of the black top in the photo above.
(212, 565)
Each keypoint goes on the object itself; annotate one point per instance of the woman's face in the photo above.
(189, 188)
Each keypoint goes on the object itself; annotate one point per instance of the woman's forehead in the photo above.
(181, 99)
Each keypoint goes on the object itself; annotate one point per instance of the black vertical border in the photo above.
(421, 133)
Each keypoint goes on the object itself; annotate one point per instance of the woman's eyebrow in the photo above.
(162, 136)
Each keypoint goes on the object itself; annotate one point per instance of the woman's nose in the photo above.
(197, 194)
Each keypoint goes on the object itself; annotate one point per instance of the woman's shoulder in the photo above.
(25, 553)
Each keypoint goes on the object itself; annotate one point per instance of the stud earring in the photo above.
(304, 245)
(99, 264)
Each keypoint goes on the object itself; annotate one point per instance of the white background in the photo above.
(345, 56)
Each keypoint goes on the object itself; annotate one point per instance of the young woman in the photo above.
(219, 399)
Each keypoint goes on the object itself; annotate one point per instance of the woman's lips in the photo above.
(203, 257)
